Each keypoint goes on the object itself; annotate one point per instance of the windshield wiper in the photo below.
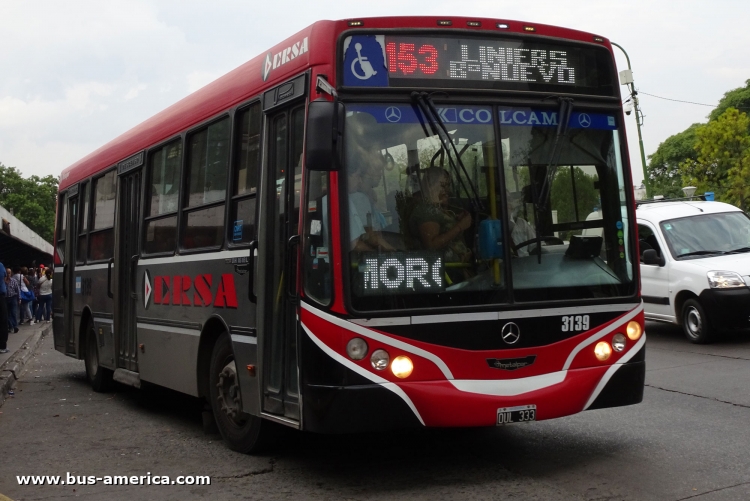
(701, 253)
(738, 251)
(428, 109)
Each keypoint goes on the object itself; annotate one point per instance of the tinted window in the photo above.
(164, 170)
(102, 237)
(246, 174)
(208, 161)
(104, 202)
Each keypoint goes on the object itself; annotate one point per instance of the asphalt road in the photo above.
(689, 439)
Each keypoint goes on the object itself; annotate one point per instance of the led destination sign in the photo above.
(398, 272)
(397, 61)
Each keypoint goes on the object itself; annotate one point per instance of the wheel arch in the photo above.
(679, 301)
(211, 331)
(86, 317)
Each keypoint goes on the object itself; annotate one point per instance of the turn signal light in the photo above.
(634, 330)
(602, 350)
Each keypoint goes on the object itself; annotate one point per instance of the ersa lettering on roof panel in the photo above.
(394, 60)
(285, 55)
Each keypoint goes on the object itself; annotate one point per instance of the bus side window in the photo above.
(83, 224)
(163, 186)
(206, 186)
(102, 236)
(245, 175)
(317, 239)
(62, 224)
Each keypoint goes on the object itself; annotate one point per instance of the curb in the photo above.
(12, 368)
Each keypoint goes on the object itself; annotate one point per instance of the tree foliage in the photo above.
(664, 172)
(664, 164)
(738, 98)
(32, 200)
(722, 164)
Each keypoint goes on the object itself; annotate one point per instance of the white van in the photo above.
(695, 265)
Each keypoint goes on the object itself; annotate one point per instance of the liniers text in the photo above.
(147, 479)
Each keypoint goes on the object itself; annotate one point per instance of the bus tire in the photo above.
(242, 432)
(100, 378)
(695, 323)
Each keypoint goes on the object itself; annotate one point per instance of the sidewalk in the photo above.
(21, 346)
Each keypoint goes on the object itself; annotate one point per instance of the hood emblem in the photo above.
(511, 333)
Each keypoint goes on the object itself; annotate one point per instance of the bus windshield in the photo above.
(442, 217)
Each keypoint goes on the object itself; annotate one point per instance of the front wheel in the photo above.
(100, 378)
(242, 432)
(695, 323)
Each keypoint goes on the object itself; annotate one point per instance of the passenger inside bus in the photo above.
(439, 226)
(520, 229)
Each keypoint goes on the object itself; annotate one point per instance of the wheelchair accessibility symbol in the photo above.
(365, 68)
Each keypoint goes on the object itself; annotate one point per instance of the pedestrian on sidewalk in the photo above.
(3, 312)
(45, 297)
(34, 277)
(25, 295)
(11, 300)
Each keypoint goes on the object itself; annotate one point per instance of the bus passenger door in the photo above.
(278, 241)
(126, 263)
(68, 275)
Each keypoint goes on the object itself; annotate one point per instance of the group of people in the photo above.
(25, 297)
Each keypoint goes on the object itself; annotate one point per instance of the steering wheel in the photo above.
(552, 240)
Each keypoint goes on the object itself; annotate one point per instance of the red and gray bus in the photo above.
(379, 223)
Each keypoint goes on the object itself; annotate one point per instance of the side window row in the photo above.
(206, 168)
(202, 208)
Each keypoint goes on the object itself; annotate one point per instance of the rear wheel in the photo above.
(100, 378)
(242, 432)
(695, 323)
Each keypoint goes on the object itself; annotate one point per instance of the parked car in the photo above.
(695, 266)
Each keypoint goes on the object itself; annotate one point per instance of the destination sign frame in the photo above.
(449, 60)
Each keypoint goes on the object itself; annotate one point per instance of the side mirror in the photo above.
(650, 257)
(325, 120)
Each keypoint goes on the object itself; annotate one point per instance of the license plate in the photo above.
(520, 414)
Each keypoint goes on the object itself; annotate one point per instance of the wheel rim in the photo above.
(228, 395)
(693, 322)
(92, 357)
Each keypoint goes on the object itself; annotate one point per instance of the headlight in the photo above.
(380, 360)
(618, 342)
(402, 366)
(602, 350)
(724, 279)
(356, 348)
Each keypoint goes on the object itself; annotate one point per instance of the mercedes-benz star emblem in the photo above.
(392, 114)
(584, 120)
(511, 333)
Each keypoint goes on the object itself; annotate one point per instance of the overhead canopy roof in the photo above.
(19, 245)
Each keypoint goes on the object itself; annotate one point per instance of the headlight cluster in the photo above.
(724, 280)
(603, 349)
(401, 366)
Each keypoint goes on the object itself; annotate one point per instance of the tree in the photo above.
(586, 195)
(663, 169)
(723, 158)
(738, 98)
(32, 200)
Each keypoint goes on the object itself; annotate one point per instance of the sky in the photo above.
(76, 74)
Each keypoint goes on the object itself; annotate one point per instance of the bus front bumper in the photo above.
(374, 407)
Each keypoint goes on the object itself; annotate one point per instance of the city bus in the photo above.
(379, 223)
